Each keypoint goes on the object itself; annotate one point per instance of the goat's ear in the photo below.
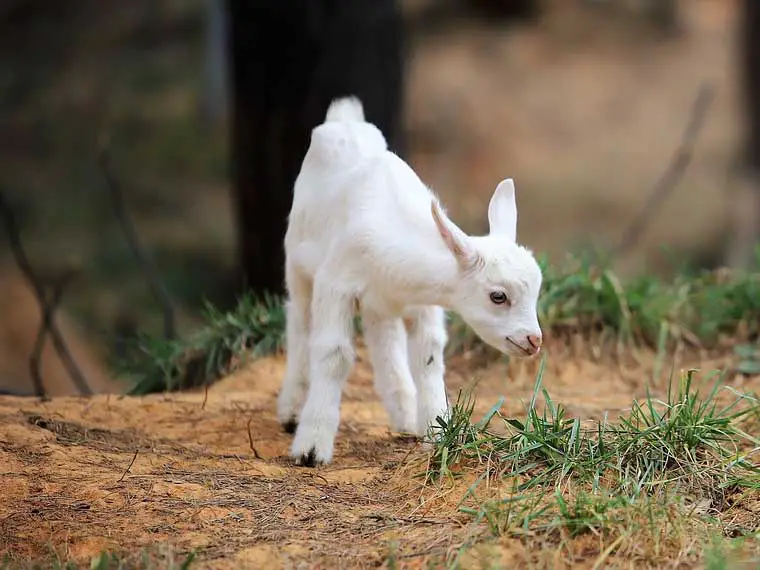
(454, 238)
(502, 211)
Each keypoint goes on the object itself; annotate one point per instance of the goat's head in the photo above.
(499, 280)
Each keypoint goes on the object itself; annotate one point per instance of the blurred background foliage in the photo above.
(582, 102)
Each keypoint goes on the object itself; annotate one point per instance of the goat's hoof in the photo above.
(308, 459)
(312, 444)
(290, 426)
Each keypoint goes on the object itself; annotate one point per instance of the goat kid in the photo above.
(363, 227)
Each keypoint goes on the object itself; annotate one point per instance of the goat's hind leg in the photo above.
(387, 344)
(331, 356)
(297, 327)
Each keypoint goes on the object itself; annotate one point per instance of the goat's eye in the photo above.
(498, 297)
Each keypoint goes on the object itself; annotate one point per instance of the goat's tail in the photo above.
(346, 110)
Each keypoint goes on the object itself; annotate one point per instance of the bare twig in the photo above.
(250, 441)
(675, 170)
(48, 311)
(131, 463)
(151, 271)
(205, 397)
(19, 254)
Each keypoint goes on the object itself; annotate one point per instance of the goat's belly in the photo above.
(378, 305)
(381, 305)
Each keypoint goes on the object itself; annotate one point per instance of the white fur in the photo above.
(363, 227)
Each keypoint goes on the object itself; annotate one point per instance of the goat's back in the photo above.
(341, 158)
(353, 196)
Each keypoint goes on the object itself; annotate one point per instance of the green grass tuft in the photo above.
(253, 329)
(656, 441)
(689, 443)
(660, 466)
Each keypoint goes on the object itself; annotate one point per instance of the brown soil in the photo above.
(209, 471)
(584, 124)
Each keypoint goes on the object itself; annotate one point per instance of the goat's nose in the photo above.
(535, 341)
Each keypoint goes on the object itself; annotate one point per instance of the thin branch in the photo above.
(131, 463)
(205, 397)
(250, 441)
(19, 254)
(675, 170)
(48, 312)
(152, 273)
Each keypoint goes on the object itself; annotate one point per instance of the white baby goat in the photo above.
(363, 227)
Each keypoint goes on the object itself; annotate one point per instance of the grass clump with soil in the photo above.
(253, 329)
(656, 444)
(639, 484)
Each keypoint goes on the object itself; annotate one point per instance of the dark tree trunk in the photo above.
(289, 59)
(744, 201)
(214, 97)
(504, 10)
(749, 69)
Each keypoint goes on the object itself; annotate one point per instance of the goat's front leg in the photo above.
(427, 340)
(297, 326)
(331, 357)
(386, 342)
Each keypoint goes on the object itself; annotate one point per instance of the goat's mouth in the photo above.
(521, 348)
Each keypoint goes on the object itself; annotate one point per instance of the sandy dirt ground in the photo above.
(585, 124)
(180, 470)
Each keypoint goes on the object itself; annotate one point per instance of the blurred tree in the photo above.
(214, 99)
(429, 16)
(663, 15)
(289, 59)
(745, 202)
(749, 54)
(504, 10)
